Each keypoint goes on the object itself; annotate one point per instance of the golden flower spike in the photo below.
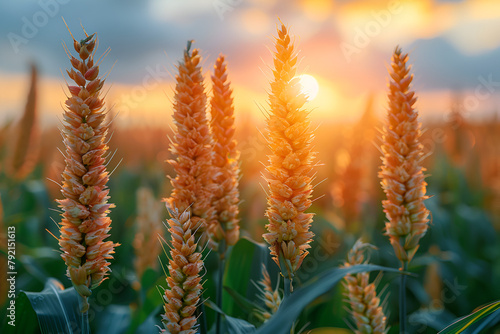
(402, 174)
(184, 288)
(192, 146)
(361, 296)
(85, 223)
(290, 168)
(226, 196)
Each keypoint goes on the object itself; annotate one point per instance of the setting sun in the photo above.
(310, 86)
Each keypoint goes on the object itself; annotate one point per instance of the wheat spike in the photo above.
(403, 180)
(226, 196)
(85, 223)
(271, 297)
(290, 168)
(193, 186)
(184, 288)
(361, 295)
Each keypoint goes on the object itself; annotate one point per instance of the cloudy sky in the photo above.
(345, 44)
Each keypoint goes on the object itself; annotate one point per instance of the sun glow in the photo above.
(309, 85)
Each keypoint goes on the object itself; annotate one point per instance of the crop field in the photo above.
(242, 186)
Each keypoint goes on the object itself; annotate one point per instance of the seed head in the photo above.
(361, 295)
(191, 144)
(184, 288)
(85, 224)
(290, 168)
(403, 180)
(225, 160)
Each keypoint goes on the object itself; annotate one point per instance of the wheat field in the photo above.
(213, 219)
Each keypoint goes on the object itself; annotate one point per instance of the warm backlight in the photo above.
(309, 85)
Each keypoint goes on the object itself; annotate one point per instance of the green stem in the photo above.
(287, 287)
(222, 266)
(402, 301)
(200, 314)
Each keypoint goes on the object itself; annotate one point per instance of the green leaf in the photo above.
(244, 264)
(472, 319)
(490, 321)
(232, 325)
(435, 319)
(238, 326)
(246, 305)
(114, 320)
(22, 318)
(291, 307)
(57, 309)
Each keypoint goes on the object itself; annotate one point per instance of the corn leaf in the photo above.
(21, 318)
(57, 309)
(231, 325)
(244, 264)
(246, 305)
(291, 307)
(474, 319)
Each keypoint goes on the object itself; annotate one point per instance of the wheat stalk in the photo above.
(402, 174)
(361, 295)
(192, 145)
(149, 228)
(290, 167)
(225, 160)
(184, 288)
(85, 224)
(24, 152)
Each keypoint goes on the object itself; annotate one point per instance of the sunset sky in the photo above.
(346, 45)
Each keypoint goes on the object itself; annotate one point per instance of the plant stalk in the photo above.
(402, 301)
(200, 314)
(287, 287)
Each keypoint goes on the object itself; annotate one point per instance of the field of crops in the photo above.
(214, 223)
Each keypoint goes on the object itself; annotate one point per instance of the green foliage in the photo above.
(477, 321)
(461, 242)
(57, 310)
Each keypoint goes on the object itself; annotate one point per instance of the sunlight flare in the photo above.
(309, 85)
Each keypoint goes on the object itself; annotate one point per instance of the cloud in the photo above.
(441, 66)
